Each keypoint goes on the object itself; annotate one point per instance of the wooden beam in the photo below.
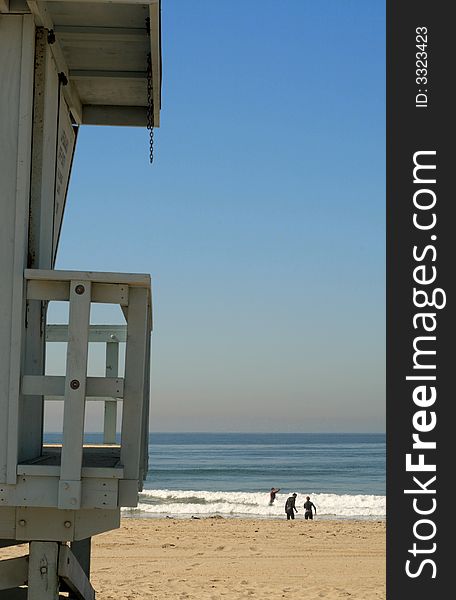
(13, 572)
(124, 116)
(89, 73)
(135, 368)
(136, 279)
(97, 333)
(43, 580)
(43, 19)
(73, 575)
(75, 393)
(155, 52)
(118, 34)
(54, 385)
(110, 407)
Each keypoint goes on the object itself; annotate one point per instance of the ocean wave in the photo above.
(180, 503)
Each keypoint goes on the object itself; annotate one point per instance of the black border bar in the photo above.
(421, 175)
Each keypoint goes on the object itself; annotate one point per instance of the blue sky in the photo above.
(261, 221)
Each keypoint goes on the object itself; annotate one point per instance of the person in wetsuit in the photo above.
(308, 508)
(290, 507)
(272, 495)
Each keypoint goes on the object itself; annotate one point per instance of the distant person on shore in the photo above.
(290, 506)
(308, 508)
(272, 495)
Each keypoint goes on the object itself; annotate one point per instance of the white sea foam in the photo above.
(178, 503)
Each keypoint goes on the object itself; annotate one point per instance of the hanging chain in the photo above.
(150, 101)
(150, 109)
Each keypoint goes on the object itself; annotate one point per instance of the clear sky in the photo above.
(261, 221)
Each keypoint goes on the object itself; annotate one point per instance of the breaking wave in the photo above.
(179, 503)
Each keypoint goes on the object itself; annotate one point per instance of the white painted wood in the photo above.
(13, 572)
(128, 492)
(44, 524)
(23, 35)
(55, 385)
(131, 279)
(10, 51)
(4, 6)
(7, 522)
(38, 470)
(42, 573)
(73, 417)
(66, 141)
(43, 18)
(106, 293)
(81, 550)
(118, 34)
(97, 333)
(42, 491)
(135, 367)
(91, 522)
(73, 575)
(132, 2)
(124, 116)
(110, 407)
(48, 290)
(155, 49)
(39, 233)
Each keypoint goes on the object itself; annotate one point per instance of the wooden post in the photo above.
(110, 406)
(75, 393)
(81, 550)
(43, 581)
(135, 369)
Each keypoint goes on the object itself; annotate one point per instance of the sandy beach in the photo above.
(213, 558)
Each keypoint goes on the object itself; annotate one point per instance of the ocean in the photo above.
(230, 474)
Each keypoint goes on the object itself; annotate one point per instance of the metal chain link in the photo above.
(150, 109)
(150, 101)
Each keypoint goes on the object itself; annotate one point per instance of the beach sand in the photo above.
(213, 558)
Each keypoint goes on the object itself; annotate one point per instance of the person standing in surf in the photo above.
(290, 506)
(272, 495)
(308, 508)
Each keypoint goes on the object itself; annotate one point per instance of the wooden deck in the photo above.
(97, 461)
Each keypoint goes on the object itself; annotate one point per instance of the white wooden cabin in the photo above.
(64, 64)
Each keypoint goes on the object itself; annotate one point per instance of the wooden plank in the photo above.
(13, 572)
(132, 279)
(135, 366)
(97, 333)
(42, 574)
(40, 233)
(155, 50)
(7, 522)
(106, 293)
(75, 393)
(10, 50)
(110, 407)
(81, 550)
(44, 19)
(97, 74)
(44, 524)
(55, 386)
(48, 290)
(118, 34)
(110, 293)
(37, 470)
(73, 575)
(123, 116)
(23, 166)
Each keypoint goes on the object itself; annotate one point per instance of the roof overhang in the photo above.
(102, 48)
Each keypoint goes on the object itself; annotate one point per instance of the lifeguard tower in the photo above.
(64, 64)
